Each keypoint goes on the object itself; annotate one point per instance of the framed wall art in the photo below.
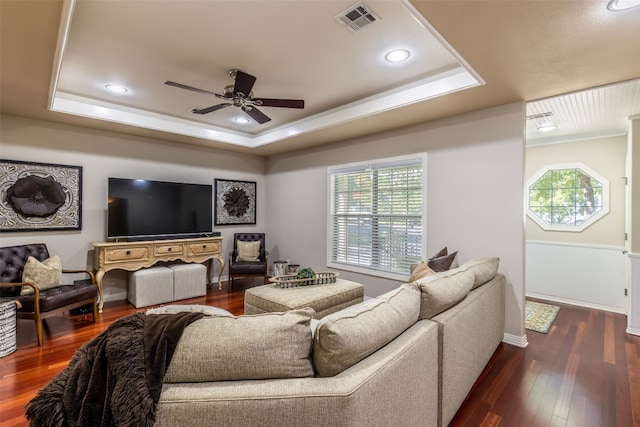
(40, 196)
(235, 202)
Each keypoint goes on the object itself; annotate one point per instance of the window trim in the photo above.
(389, 161)
(571, 228)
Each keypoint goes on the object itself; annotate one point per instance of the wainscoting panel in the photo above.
(633, 318)
(590, 276)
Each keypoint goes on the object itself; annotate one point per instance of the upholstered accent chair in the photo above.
(249, 257)
(40, 304)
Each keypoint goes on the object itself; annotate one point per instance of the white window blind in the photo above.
(375, 219)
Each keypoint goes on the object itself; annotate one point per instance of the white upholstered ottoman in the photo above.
(324, 299)
(189, 280)
(150, 286)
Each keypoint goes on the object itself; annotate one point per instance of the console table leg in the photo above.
(221, 261)
(99, 276)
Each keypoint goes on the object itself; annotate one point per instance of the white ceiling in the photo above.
(595, 113)
(300, 52)
(466, 55)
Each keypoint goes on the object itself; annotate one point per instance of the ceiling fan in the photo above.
(240, 95)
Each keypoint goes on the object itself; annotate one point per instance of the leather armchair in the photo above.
(248, 268)
(46, 303)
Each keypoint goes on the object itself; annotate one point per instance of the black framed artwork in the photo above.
(235, 202)
(40, 196)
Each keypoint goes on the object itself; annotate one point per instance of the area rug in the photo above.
(539, 317)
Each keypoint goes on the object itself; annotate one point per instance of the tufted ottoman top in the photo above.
(324, 299)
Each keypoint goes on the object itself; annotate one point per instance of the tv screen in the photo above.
(142, 209)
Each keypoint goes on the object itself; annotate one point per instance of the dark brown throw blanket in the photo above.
(116, 378)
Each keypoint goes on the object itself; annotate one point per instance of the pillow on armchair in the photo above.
(248, 251)
(45, 274)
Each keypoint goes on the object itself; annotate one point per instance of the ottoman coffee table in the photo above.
(324, 299)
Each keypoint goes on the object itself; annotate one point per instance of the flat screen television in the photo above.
(147, 210)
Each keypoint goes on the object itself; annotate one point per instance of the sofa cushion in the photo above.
(344, 338)
(248, 251)
(483, 269)
(443, 290)
(191, 308)
(59, 296)
(45, 274)
(262, 346)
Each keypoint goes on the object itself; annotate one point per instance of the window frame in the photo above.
(376, 164)
(570, 228)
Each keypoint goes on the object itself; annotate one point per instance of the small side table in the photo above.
(8, 324)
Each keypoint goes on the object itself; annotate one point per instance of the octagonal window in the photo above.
(567, 197)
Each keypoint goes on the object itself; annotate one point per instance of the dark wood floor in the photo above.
(584, 372)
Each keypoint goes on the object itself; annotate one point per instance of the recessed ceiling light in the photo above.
(546, 127)
(616, 5)
(397, 55)
(116, 88)
(241, 120)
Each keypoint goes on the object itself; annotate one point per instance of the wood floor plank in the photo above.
(633, 378)
(609, 355)
(565, 393)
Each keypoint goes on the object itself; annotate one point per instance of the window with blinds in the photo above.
(375, 218)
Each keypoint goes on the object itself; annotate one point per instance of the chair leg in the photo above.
(95, 310)
(38, 321)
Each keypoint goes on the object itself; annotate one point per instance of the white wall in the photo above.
(474, 189)
(475, 172)
(108, 154)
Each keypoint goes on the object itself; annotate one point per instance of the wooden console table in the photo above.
(132, 256)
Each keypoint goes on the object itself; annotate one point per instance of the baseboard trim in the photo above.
(576, 303)
(518, 341)
(633, 331)
(116, 296)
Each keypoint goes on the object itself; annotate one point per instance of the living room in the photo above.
(475, 169)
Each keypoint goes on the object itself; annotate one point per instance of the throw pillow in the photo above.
(45, 274)
(442, 252)
(421, 270)
(248, 251)
(344, 338)
(255, 347)
(442, 291)
(443, 263)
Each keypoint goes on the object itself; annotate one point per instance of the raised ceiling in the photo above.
(466, 55)
(594, 113)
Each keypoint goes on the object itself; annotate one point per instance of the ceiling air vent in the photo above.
(357, 17)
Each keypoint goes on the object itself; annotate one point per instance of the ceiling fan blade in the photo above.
(210, 109)
(285, 103)
(256, 115)
(244, 83)
(194, 89)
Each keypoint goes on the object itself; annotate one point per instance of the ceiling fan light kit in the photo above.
(240, 95)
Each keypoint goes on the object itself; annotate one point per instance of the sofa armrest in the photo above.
(470, 332)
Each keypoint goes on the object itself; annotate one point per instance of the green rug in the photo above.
(539, 317)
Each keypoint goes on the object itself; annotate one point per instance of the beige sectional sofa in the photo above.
(407, 358)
